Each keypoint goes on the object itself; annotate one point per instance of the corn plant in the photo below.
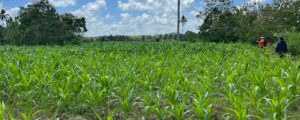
(147, 80)
(2, 111)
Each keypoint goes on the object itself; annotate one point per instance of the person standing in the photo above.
(261, 42)
(268, 43)
(281, 48)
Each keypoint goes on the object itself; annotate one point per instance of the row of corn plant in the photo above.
(148, 80)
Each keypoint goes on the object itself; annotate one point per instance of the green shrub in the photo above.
(293, 41)
(191, 37)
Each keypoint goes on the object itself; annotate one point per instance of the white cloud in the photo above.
(157, 17)
(136, 17)
(256, 1)
(62, 3)
(91, 12)
(91, 8)
(56, 3)
(138, 4)
(187, 2)
(13, 12)
(125, 15)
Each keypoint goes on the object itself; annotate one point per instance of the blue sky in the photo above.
(126, 17)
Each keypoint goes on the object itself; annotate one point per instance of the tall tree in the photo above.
(217, 19)
(41, 24)
(249, 21)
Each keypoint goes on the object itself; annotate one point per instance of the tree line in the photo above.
(40, 24)
(143, 38)
(224, 22)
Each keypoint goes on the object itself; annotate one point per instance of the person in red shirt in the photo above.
(261, 42)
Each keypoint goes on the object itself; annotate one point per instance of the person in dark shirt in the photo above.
(281, 48)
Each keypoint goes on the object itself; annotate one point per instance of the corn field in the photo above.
(148, 81)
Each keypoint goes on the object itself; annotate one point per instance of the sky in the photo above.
(125, 17)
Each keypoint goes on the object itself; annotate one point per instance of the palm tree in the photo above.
(178, 20)
(183, 21)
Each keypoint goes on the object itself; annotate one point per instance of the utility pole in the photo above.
(178, 20)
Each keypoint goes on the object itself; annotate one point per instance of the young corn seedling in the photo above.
(158, 108)
(2, 111)
(171, 95)
(125, 99)
(238, 107)
(212, 81)
(203, 106)
(178, 111)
